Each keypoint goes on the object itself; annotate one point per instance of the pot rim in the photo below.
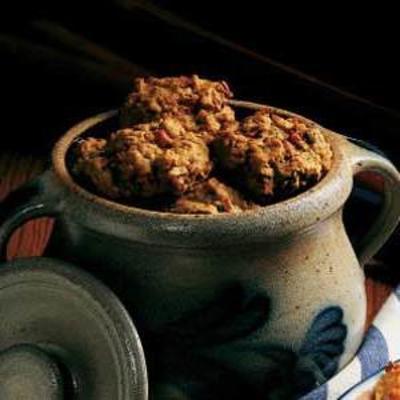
(315, 204)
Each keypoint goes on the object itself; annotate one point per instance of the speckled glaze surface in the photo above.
(271, 301)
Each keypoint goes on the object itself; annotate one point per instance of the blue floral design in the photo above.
(322, 347)
(197, 357)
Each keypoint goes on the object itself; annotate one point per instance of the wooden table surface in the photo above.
(30, 239)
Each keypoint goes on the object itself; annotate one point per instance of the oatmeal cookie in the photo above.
(92, 163)
(179, 133)
(273, 156)
(145, 160)
(211, 197)
(199, 104)
(388, 387)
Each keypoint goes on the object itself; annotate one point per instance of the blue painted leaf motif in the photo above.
(202, 355)
(322, 347)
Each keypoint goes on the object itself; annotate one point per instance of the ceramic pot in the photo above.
(271, 300)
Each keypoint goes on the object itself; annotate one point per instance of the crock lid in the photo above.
(64, 335)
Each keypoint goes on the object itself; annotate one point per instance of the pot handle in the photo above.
(37, 198)
(361, 160)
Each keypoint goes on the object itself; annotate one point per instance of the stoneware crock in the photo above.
(255, 305)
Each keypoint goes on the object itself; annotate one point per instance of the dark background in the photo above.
(332, 63)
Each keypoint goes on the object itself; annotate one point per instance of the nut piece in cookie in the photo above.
(143, 161)
(211, 197)
(272, 156)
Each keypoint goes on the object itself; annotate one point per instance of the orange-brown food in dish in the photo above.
(211, 197)
(145, 160)
(181, 139)
(199, 105)
(388, 387)
(274, 156)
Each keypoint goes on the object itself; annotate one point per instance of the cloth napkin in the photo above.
(381, 345)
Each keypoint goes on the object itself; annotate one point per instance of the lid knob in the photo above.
(27, 372)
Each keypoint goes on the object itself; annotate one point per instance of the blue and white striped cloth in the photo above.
(381, 345)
